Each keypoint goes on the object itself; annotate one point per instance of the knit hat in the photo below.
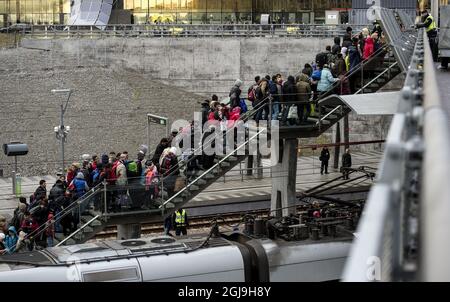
(238, 83)
(344, 51)
(80, 175)
(173, 150)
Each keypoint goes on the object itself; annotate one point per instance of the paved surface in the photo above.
(232, 188)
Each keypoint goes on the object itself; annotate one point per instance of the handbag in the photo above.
(293, 112)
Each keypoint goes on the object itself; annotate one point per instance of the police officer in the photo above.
(429, 24)
(180, 222)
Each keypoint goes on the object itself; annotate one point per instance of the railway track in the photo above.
(196, 224)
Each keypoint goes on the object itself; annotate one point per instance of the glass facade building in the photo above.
(180, 11)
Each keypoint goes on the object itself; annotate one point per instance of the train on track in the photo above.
(266, 250)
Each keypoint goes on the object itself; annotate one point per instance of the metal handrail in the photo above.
(328, 114)
(210, 169)
(77, 231)
(384, 234)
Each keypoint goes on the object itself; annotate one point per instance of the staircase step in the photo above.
(194, 188)
(225, 164)
(88, 229)
(78, 236)
(59, 236)
(232, 159)
(201, 182)
(94, 223)
(178, 200)
(209, 176)
(170, 206)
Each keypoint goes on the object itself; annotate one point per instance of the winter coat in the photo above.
(121, 172)
(159, 150)
(326, 80)
(346, 160)
(340, 67)
(205, 113)
(325, 155)
(56, 191)
(369, 48)
(10, 242)
(354, 57)
(303, 88)
(290, 91)
(235, 96)
(40, 193)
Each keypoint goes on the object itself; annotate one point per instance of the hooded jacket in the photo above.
(326, 80)
(11, 241)
(303, 88)
(80, 185)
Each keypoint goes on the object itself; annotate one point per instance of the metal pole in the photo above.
(337, 147)
(63, 137)
(167, 128)
(148, 133)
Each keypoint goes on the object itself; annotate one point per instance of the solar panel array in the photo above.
(91, 12)
(402, 41)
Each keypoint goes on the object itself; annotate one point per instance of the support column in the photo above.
(337, 148)
(250, 165)
(129, 231)
(284, 181)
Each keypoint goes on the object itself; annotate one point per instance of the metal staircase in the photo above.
(94, 207)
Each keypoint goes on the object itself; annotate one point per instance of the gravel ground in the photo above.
(107, 111)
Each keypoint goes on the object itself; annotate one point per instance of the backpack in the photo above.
(243, 106)
(132, 169)
(252, 93)
(317, 75)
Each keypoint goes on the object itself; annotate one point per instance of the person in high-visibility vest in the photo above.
(430, 26)
(180, 222)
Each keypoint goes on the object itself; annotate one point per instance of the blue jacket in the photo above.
(11, 241)
(326, 81)
(80, 186)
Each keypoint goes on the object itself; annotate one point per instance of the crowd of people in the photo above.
(136, 184)
(292, 100)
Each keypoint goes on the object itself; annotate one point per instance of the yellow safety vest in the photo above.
(432, 26)
(180, 218)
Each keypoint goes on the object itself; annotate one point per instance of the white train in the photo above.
(228, 258)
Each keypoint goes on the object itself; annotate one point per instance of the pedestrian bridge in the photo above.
(403, 234)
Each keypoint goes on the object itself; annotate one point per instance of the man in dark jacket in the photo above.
(346, 164)
(347, 42)
(159, 150)
(41, 191)
(337, 46)
(324, 159)
(289, 97)
(57, 190)
(205, 112)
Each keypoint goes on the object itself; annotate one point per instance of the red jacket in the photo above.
(369, 47)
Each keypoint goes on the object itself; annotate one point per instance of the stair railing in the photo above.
(77, 231)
